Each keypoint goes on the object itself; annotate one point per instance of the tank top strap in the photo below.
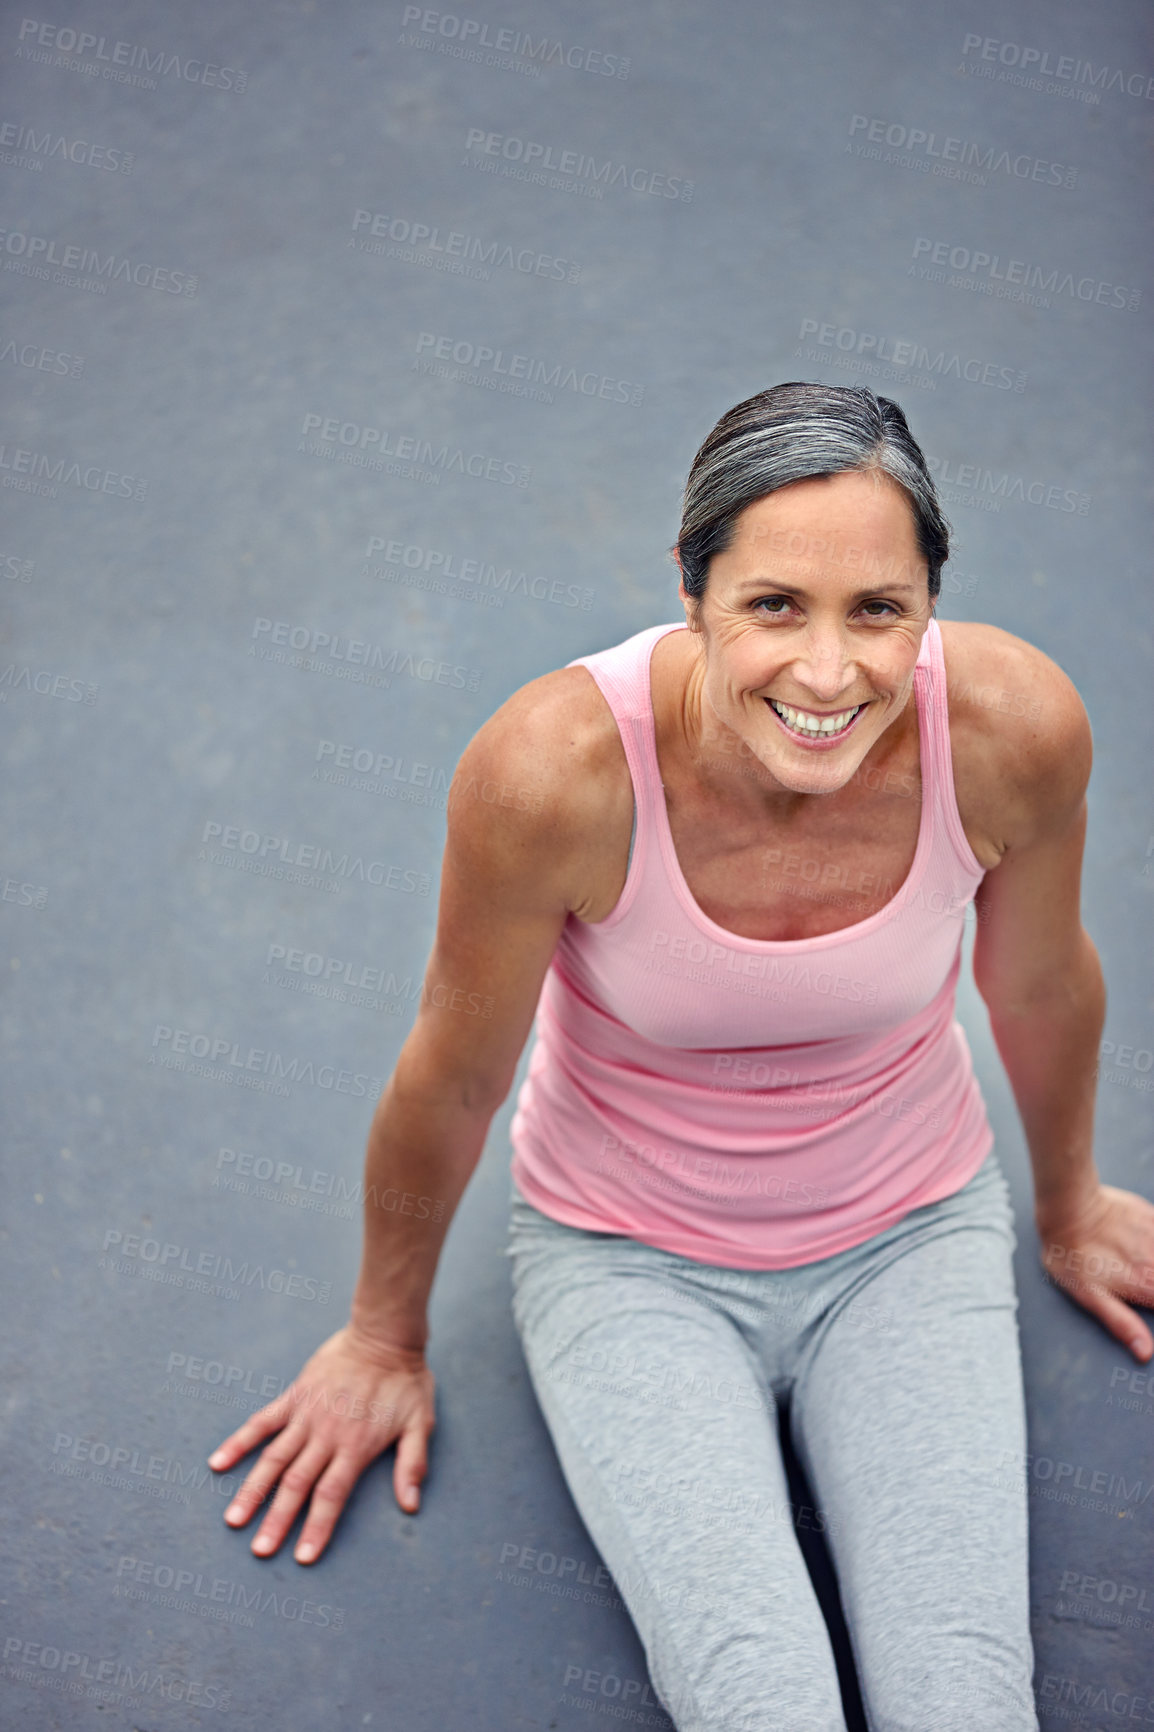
(938, 773)
(622, 676)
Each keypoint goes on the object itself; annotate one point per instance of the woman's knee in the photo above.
(750, 1681)
(958, 1710)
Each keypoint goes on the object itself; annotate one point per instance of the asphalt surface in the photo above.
(356, 356)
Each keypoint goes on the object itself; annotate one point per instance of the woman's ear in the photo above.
(691, 604)
(692, 608)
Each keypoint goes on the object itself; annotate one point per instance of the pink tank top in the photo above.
(747, 1102)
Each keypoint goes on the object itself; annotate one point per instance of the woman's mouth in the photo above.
(813, 729)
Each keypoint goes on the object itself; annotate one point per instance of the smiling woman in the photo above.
(773, 468)
(733, 899)
(793, 637)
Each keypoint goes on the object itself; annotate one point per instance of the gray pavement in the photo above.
(329, 325)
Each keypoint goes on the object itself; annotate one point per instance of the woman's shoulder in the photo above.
(992, 673)
(1019, 731)
(550, 765)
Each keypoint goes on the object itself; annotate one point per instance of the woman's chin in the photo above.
(804, 768)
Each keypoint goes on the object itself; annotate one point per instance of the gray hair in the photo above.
(789, 433)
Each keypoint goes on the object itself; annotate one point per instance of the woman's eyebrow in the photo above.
(768, 581)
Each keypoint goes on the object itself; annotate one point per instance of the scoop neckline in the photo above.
(822, 939)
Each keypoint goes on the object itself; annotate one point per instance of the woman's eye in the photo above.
(776, 607)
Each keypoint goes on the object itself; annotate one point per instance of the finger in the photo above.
(330, 1495)
(296, 1482)
(411, 1466)
(1139, 1339)
(265, 1473)
(258, 1425)
(1123, 1323)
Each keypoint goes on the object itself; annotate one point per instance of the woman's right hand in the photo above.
(348, 1404)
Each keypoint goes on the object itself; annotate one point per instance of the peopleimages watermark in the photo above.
(748, 1075)
(1030, 66)
(866, 368)
(416, 783)
(951, 158)
(492, 369)
(126, 1467)
(227, 1602)
(366, 984)
(451, 250)
(27, 895)
(320, 868)
(572, 166)
(385, 773)
(534, 177)
(485, 42)
(37, 357)
(1084, 1698)
(203, 1378)
(124, 63)
(549, 1573)
(1139, 1397)
(1060, 1480)
(212, 1271)
(220, 1052)
(901, 352)
(213, 1380)
(46, 684)
(345, 657)
(30, 254)
(1080, 1268)
(282, 1182)
(441, 571)
(817, 553)
(358, 444)
(21, 146)
(708, 957)
(36, 472)
(1016, 280)
(986, 489)
(1128, 1065)
(1105, 1600)
(15, 569)
(840, 883)
(106, 1679)
(701, 1178)
(629, 1699)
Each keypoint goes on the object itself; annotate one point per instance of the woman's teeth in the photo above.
(804, 724)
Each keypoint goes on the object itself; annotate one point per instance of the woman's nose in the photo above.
(823, 667)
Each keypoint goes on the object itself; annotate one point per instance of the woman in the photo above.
(727, 866)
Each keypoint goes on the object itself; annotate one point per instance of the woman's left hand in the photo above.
(1104, 1255)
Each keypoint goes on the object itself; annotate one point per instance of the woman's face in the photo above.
(818, 607)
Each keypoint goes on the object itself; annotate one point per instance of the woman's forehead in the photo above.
(817, 502)
(876, 547)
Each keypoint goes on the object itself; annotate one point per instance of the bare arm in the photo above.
(507, 884)
(1035, 965)
(525, 823)
(1039, 974)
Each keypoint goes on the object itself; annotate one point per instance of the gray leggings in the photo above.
(658, 1378)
